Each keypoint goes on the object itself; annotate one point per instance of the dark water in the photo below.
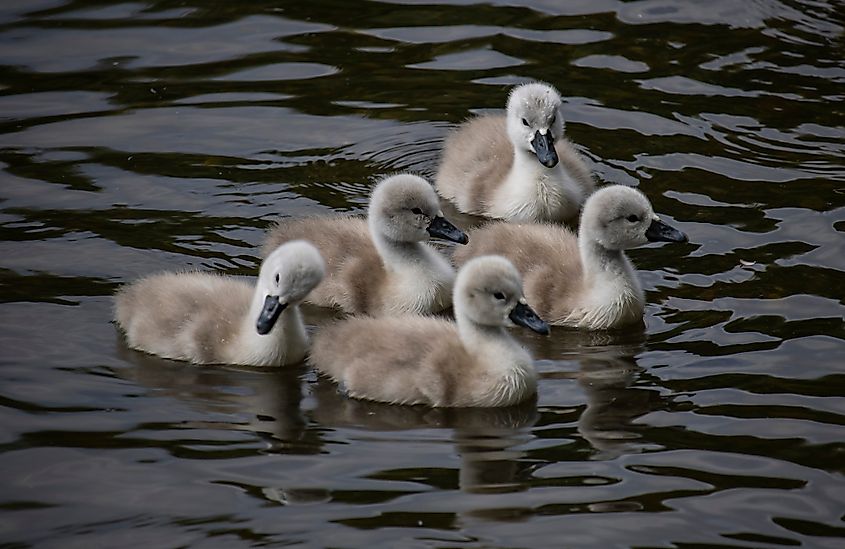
(142, 136)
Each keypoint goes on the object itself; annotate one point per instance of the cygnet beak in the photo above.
(440, 227)
(659, 231)
(523, 315)
(269, 314)
(544, 148)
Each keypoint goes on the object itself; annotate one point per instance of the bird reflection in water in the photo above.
(264, 401)
(492, 443)
(607, 372)
(488, 440)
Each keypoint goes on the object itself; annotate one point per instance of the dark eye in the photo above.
(632, 218)
(416, 211)
(525, 122)
(499, 295)
(552, 121)
(277, 278)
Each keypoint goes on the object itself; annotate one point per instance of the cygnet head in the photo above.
(619, 217)
(287, 276)
(405, 208)
(488, 291)
(534, 120)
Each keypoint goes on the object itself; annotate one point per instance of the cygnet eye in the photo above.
(277, 278)
(552, 121)
(525, 122)
(416, 211)
(499, 295)
(632, 218)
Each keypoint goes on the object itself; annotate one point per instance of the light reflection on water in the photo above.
(142, 136)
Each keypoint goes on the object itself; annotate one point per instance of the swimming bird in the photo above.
(382, 264)
(415, 359)
(206, 318)
(517, 167)
(583, 281)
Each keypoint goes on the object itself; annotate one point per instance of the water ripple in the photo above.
(143, 136)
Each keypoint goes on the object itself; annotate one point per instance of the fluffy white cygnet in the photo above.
(583, 281)
(207, 318)
(414, 359)
(517, 167)
(382, 264)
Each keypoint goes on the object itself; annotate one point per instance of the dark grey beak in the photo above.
(659, 231)
(269, 314)
(544, 148)
(441, 228)
(523, 315)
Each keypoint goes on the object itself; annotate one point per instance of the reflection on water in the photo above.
(148, 135)
(612, 404)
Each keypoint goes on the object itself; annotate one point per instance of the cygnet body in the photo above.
(381, 265)
(416, 359)
(583, 281)
(207, 318)
(517, 167)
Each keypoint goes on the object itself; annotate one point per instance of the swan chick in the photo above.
(583, 281)
(413, 359)
(206, 318)
(382, 264)
(518, 167)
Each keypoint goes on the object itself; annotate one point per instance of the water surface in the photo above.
(142, 136)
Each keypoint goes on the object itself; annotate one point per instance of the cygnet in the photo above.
(518, 167)
(583, 281)
(207, 318)
(415, 359)
(382, 264)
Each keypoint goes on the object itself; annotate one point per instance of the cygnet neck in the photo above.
(602, 265)
(392, 251)
(474, 334)
(287, 341)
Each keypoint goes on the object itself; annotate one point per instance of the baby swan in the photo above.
(584, 281)
(518, 167)
(206, 318)
(381, 265)
(415, 359)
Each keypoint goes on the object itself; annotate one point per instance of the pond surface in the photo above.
(142, 136)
